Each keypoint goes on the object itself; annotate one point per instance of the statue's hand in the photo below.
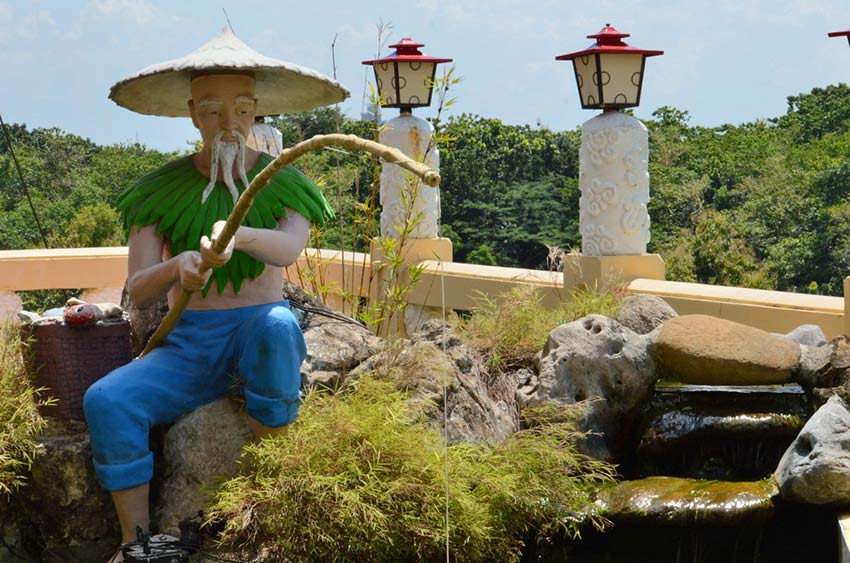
(209, 255)
(188, 265)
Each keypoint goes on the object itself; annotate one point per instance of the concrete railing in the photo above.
(102, 272)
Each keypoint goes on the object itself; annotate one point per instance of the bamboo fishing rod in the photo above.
(261, 180)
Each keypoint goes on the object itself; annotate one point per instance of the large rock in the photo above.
(816, 467)
(335, 343)
(671, 501)
(143, 320)
(808, 335)
(814, 366)
(598, 360)
(333, 349)
(707, 350)
(63, 513)
(644, 313)
(200, 451)
(481, 407)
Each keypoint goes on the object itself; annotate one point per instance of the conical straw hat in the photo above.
(281, 87)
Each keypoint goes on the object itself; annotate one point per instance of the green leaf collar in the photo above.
(170, 197)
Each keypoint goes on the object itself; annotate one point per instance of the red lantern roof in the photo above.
(407, 50)
(608, 40)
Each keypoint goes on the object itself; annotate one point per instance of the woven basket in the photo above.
(67, 360)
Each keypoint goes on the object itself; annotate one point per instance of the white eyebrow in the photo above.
(210, 102)
(244, 100)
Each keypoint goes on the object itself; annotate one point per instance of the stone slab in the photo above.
(708, 350)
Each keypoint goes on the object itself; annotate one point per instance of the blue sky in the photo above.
(725, 61)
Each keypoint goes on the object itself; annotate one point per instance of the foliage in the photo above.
(778, 188)
(359, 477)
(510, 187)
(510, 331)
(19, 417)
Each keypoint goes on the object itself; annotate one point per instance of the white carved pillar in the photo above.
(410, 135)
(403, 200)
(265, 138)
(614, 184)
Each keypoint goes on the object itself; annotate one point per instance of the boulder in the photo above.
(825, 371)
(814, 365)
(63, 513)
(143, 320)
(837, 371)
(604, 365)
(333, 349)
(335, 343)
(11, 551)
(808, 335)
(644, 313)
(671, 501)
(816, 467)
(200, 450)
(481, 407)
(708, 350)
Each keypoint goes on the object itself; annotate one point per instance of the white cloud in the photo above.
(138, 12)
(6, 12)
(35, 25)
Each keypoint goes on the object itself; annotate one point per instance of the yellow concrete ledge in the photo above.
(63, 268)
(773, 311)
(457, 285)
(464, 284)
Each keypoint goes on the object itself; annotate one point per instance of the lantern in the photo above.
(845, 33)
(406, 77)
(609, 73)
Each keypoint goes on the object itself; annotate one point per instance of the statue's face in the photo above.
(222, 102)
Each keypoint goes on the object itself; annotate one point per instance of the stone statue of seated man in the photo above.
(235, 322)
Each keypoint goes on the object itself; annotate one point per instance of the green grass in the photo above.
(512, 330)
(19, 417)
(359, 477)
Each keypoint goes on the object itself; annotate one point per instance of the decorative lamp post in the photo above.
(613, 171)
(405, 80)
(406, 77)
(845, 33)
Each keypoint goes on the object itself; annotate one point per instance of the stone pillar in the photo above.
(411, 135)
(614, 184)
(613, 216)
(265, 138)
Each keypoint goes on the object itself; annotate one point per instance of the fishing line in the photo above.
(23, 183)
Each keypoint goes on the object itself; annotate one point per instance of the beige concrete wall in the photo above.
(63, 268)
(456, 285)
(773, 311)
(844, 538)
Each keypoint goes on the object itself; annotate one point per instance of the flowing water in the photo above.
(697, 488)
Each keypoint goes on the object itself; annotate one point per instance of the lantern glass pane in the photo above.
(415, 83)
(621, 78)
(585, 68)
(384, 80)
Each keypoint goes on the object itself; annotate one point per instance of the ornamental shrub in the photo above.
(359, 477)
(19, 417)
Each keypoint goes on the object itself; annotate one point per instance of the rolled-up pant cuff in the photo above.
(272, 412)
(116, 477)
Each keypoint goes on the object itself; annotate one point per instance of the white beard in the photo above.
(225, 154)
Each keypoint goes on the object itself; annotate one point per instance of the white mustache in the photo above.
(226, 153)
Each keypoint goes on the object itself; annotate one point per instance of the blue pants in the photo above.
(193, 367)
